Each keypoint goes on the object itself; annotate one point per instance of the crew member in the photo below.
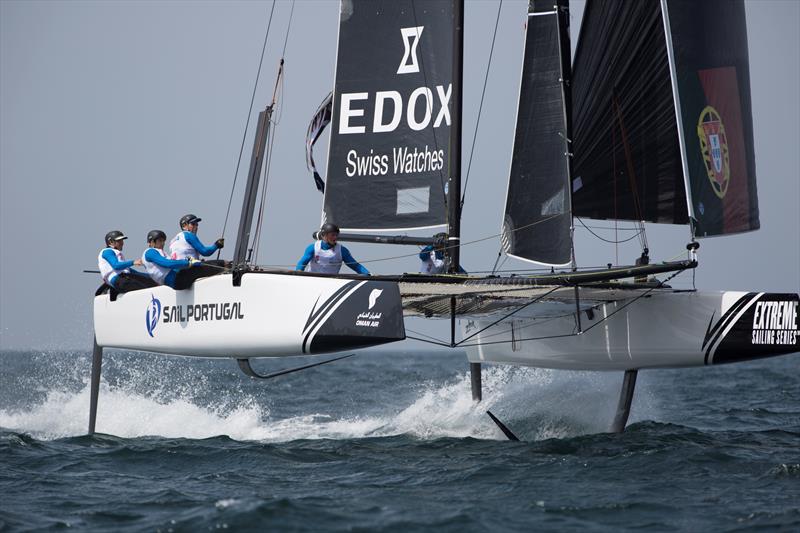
(186, 244)
(326, 256)
(115, 270)
(433, 259)
(161, 268)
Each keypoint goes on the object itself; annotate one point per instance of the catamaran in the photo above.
(650, 123)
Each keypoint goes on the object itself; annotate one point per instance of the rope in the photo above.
(247, 124)
(639, 232)
(480, 107)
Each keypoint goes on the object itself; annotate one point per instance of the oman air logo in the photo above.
(410, 42)
(373, 297)
(153, 314)
(714, 146)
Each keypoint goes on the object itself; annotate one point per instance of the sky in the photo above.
(127, 115)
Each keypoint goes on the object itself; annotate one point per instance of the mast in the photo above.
(240, 254)
(454, 180)
(251, 190)
(562, 20)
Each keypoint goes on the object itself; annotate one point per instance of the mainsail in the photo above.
(712, 74)
(391, 147)
(537, 222)
(662, 102)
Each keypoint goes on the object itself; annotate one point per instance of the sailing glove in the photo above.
(220, 243)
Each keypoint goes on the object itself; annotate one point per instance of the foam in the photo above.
(535, 403)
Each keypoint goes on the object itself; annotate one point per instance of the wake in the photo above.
(535, 403)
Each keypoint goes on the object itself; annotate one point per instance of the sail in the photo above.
(627, 161)
(537, 222)
(712, 76)
(647, 94)
(391, 146)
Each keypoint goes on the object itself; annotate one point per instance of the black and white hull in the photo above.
(266, 315)
(662, 329)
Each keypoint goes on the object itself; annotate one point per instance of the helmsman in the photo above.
(326, 256)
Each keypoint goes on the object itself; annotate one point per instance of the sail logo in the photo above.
(714, 147)
(153, 314)
(410, 51)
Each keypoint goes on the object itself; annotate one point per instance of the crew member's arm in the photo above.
(204, 250)
(176, 264)
(425, 253)
(111, 257)
(307, 255)
(352, 263)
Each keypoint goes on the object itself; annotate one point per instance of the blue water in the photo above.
(391, 441)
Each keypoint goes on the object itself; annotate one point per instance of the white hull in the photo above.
(664, 329)
(269, 315)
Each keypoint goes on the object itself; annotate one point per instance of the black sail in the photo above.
(537, 222)
(389, 156)
(712, 71)
(627, 161)
(661, 103)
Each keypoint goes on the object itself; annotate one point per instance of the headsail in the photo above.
(632, 159)
(391, 143)
(537, 222)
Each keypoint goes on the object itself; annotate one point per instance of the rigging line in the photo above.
(609, 240)
(247, 123)
(608, 228)
(288, 27)
(499, 255)
(480, 107)
(429, 342)
(430, 103)
(660, 285)
(283, 68)
(425, 335)
(509, 315)
(631, 174)
(493, 236)
(539, 322)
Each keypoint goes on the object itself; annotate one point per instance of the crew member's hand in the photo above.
(220, 242)
(138, 263)
(193, 261)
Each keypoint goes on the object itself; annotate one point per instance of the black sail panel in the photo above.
(389, 155)
(627, 161)
(709, 40)
(537, 222)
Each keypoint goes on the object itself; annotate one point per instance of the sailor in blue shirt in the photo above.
(433, 258)
(162, 269)
(186, 244)
(326, 256)
(115, 270)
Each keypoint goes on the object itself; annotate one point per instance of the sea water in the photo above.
(392, 441)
